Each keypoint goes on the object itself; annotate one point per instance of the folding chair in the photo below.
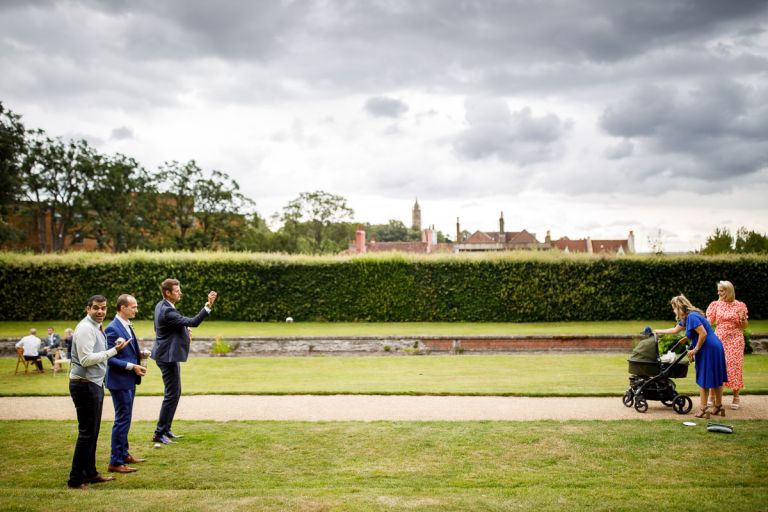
(21, 361)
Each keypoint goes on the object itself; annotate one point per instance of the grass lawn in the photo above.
(433, 466)
(526, 374)
(145, 329)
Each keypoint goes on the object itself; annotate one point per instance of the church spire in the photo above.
(416, 216)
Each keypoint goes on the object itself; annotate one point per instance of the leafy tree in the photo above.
(393, 231)
(255, 235)
(177, 204)
(54, 174)
(12, 145)
(318, 222)
(220, 209)
(748, 241)
(203, 212)
(720, 242)
(12, 148)
(122, 205)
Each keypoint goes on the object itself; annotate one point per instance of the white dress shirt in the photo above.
(31, 344)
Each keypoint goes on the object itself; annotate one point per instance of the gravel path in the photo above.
(371, 408)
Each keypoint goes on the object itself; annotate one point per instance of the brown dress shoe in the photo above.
(98, 479)
(121, 469)
(130, 459)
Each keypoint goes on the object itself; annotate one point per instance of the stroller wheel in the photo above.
(640, 404)
(682, 404)
(629, 398)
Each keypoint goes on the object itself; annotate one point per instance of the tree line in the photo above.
(745, 241)
(67, 190)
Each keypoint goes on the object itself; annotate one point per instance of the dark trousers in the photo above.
(172, 381)
(88, 399)
(37, 360)
(122, 399)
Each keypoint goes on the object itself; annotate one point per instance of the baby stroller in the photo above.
(651, 379)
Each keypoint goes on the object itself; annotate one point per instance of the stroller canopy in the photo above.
(647, 351)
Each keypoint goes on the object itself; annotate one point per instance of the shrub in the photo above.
(391, 288)
(220, 346)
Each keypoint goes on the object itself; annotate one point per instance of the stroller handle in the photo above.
(675, 347)
(681, 356)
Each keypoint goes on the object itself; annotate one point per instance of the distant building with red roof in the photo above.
(485, 241)
(500, 240)
(428, 244)
(587, 245)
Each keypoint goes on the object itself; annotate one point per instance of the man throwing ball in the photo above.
(171, 348)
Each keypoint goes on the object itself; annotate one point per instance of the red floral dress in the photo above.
(725, 315)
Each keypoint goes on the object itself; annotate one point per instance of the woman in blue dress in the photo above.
(706, 351)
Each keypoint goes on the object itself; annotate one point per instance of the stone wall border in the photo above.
(407, 345)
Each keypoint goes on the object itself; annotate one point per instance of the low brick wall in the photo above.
(387, 345)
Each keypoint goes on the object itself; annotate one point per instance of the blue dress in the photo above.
(710, 359)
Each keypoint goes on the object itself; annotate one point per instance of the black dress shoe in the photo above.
(171, 435)
(162, 439)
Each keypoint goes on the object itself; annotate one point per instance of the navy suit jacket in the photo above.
(171, 334)
(117, 375)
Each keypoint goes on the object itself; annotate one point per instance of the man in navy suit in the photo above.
(124, 372)
(171, 348)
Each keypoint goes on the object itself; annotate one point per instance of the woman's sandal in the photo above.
(703, 413)
(735, 404)
(719, 410)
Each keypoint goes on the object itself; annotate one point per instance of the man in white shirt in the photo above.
(31, 345)
(86, 387)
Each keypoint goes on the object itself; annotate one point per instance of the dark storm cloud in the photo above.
(189, 29)
(468, 47)
(162, 56)
(121, 133)
(381, 106)
(716, 130)
(515, 137)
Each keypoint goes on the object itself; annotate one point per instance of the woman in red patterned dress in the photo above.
(730, 318)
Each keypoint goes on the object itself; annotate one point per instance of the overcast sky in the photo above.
(586, 118)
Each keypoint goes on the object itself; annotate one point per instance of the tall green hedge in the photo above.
(382, 288)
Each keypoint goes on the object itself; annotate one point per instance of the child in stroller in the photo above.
(650, 378)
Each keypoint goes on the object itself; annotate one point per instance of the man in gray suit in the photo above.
(171, 348)
(50, 344)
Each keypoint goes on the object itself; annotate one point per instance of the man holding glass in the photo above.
(124, 372)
